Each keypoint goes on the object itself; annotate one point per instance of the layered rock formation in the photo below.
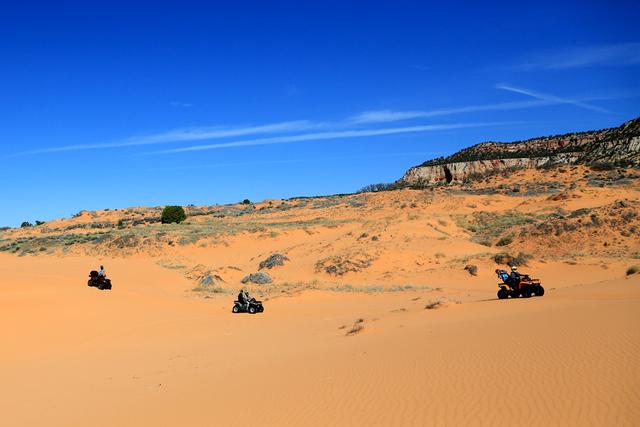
(619, 145)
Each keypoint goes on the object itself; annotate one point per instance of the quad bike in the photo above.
(98, 281)
(254, 306)
(525, 287)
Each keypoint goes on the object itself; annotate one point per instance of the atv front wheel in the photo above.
(538, 291)
(252, 310)
(526, 292)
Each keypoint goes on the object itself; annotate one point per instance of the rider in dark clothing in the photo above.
(243, 298)
(514, 277)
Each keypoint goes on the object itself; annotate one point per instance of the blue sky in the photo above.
(127, 104)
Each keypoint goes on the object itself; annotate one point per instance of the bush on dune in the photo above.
(511, 260)
(173, 214)
(504, 241)
(472, 269)
(273, 261)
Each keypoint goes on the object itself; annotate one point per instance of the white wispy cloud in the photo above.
(319, 136)
(541, 100)
(292, 161)
(549, 98)
(181, 104)
(184, 135)
(335, 130)
(386, 116)
(585, 56)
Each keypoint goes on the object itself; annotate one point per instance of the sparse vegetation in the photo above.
(357, 327)
(340, 265)
(273, 261)
(486, 225)
(374, 188)
(511, 260)
(504, 241)
(634, 269)
(472, 269)
(259, 278)
(213, 290)
(432, 305)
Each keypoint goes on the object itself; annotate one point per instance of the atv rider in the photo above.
(514, 277)
(243, 298)
(102, 274)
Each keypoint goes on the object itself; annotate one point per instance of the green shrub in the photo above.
(634, 269)
(246, 202)
(26, 224)
(172, 214)
(504, 241)
(39, 222)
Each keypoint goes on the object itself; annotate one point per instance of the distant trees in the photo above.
(26, 224)
(246, 202)
(173, 214)
(374, 188)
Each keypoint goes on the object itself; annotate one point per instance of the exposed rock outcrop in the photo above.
(619, 145)
(461, 171)
(622, 147)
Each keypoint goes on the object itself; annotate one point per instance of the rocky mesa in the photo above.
(614, 146)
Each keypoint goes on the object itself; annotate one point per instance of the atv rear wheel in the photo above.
(502, 294)
(235, 309)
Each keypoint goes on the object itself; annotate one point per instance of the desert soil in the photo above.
(353, 349)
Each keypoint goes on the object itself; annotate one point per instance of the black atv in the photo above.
(98, 281)
(253, 307)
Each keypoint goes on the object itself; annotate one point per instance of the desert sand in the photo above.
(359, 348)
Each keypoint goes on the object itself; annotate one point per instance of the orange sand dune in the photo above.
(357, 347)
(150, 352)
